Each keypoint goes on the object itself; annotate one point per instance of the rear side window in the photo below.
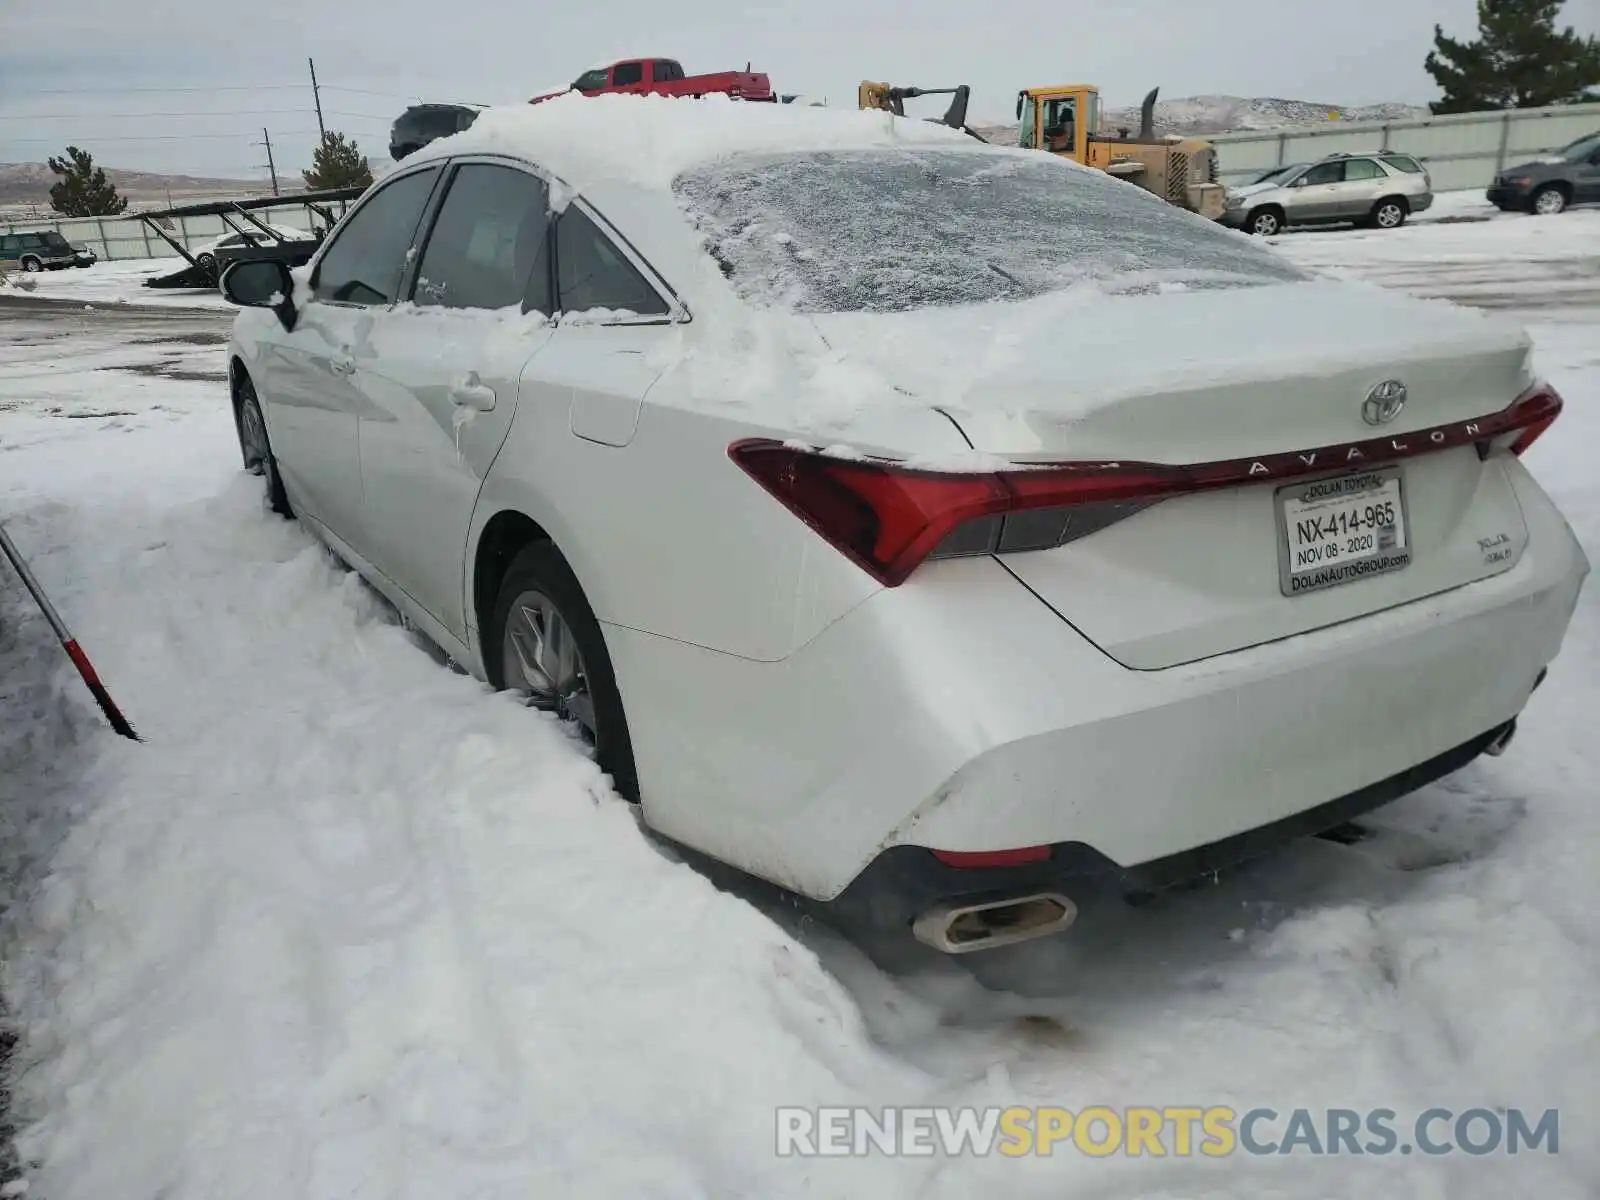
(1362, 168)
(625, 73)
(592, 272)
(666, 70)
(364, 261)
(488, 244)
(1404, 162)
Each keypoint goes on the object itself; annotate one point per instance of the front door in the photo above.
(1315, 195)
(313, 382)
(439, 402)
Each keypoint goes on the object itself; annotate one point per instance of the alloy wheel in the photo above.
(540, 658)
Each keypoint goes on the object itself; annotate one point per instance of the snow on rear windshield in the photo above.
(884, 231)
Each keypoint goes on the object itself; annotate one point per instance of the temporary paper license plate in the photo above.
(1335, 531)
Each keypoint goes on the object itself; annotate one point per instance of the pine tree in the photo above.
(1520, 60)
(336, 163)
(83, 189)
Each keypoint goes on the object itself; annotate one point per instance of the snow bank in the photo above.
(348, 925)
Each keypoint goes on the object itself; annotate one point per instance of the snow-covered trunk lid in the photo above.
(1320, 399)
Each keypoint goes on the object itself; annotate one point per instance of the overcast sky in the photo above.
(101, 73)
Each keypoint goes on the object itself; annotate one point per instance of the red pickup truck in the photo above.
(665, 77)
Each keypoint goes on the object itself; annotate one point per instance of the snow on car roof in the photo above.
(648, 140)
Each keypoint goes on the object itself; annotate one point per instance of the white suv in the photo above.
(1377, 190)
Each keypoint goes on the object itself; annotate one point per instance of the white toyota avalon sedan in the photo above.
(933, 529)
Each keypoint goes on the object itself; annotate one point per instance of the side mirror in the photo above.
(261, 283)
(1019, 106)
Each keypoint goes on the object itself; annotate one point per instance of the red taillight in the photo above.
(973, 860)
(889, 518)
(1539, 409)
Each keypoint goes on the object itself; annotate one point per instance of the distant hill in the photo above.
(1226, 114)
(23, 184)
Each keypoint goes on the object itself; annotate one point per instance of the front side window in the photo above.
(1361, 168)
(892, 230)
(1582, 149)
(592, 272)
(488, 245)
(1027, 117)
(624, 74)
(363, 263)
(1328, 172)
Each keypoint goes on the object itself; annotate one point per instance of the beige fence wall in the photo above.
(1461, 151)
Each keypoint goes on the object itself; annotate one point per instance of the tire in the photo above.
(1265, 222)
(255, 447)
(540, 575)
(207, 262)
(32, 265)
(1548, 200)
(1390, 213)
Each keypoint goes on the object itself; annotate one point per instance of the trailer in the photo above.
(261, 241)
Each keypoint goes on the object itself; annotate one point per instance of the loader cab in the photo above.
(1058, 119)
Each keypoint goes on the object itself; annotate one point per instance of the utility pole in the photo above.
(316, 98)
(266, 140)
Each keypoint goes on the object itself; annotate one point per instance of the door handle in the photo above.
(471, 392)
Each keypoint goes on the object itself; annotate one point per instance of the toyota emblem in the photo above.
(1384, 402)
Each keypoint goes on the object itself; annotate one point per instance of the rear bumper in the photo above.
(904, 882)
(1421, 203)
(958, 712)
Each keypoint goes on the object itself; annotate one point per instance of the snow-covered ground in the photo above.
(348, 925)
(120, 282)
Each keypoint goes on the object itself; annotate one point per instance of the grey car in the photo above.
(1551, 184)
(1379, 190)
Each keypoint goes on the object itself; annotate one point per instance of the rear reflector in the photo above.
(977, 859)
(889, 518)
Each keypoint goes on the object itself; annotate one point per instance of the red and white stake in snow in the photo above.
(68, 642)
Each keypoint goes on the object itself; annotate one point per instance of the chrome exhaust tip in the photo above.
(961, 928)
(1502, 740)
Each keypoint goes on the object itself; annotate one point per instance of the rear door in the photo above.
(443, 385)
(1364, 182)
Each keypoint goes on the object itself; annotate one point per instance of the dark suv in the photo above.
(1549, 185)
(423, 123)
(47, 251)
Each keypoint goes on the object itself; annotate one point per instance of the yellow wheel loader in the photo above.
(1066, 121)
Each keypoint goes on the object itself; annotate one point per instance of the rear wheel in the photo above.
(32, 265)
(1390, 213)
(1549, 200)
(256, 447)
(1265, 222)
(544, 642)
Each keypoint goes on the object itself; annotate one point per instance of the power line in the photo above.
(258, 87)
(121, 116)
(156, 137)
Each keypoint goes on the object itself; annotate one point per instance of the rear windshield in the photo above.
(890, 230)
